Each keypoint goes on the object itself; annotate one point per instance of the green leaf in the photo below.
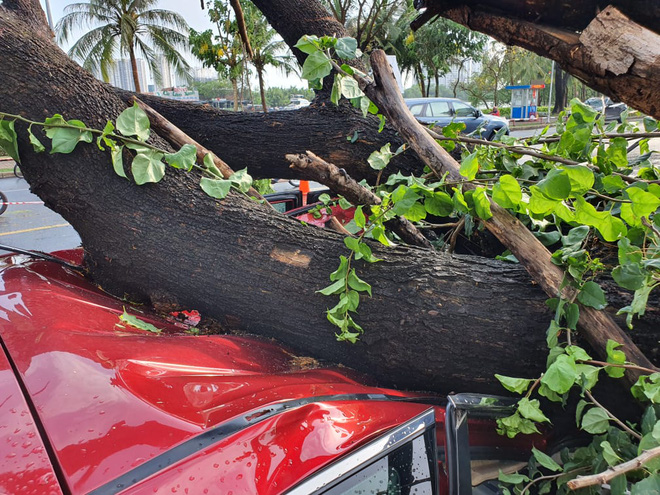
(469, 166)
(617, 152)
(609, 455)
(148, 167)
(136, 322)
(356, 283)
(241, 180)
(103, 138)
(556, 185)
(587, 113)
(184, 158)
(643, 203)
(629, 276)
(459, 201)
(577, 353)
(134, 122)
(36, 144)
(619, 485)
(117, 154)
(336, 288)
(539, 203)
(346, 48)
(572, 314)
(649, 420)
(581, 178)
(8, 139)
(589, 374)
(514, 478)
(561, 374)
(335, 95)
(545, 460)
(340, 272)
(65, 139)
(379, 159)
(344, 203)
(531, 409)
(308, 44)
(613, 184)
(592, 295)
(316, 66)
(628, 253)
(650, 124)
(610, 227)
(575, 236)
(403, 198)
(516, 385)
(350, 88)
(360, 219)
(507, 192)
(648, 486)
(595, 421)
(482, 203)
(216, 188)
(440, 204)
(416, 213)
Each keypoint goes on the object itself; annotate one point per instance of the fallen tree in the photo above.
(431, 314)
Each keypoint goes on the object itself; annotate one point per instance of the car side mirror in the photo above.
(477, 113)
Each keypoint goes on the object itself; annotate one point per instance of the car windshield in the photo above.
(401, 461)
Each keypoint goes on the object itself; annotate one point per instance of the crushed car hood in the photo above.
(111, 397)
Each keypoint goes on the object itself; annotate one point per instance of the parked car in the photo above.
(92, 404)
(444, 111)
(613, 110)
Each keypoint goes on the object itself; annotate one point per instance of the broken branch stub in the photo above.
(340, 182)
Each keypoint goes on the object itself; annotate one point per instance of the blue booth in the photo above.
(524, 101)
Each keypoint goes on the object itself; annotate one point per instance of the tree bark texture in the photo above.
(613, 55)
(436, 322)
(260, 142)
(566, 14)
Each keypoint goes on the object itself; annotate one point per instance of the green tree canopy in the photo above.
(129, 28)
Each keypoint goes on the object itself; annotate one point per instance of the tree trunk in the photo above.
(262, 91)
(613, 54)
(561, 93)
(134, 70)
(436, 322)
(234, 85)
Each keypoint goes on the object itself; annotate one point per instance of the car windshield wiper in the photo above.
(40, 255)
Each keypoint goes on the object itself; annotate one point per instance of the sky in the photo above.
(198, 20)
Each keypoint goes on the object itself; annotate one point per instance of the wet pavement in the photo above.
(32, 225)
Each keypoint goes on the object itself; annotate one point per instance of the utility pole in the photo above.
(49, 15)
(552, 80)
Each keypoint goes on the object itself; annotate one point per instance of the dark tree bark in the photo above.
(611, 52)
(561, 91)
(435, 322)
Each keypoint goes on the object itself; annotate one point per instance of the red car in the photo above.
(92, 405)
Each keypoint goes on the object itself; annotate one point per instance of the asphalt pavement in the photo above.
(31, 225)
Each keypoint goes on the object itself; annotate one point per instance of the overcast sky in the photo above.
(198, 20)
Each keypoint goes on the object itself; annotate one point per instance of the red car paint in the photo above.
(116, 402)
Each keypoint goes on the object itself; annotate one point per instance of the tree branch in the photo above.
(338, 180)
(614, 471)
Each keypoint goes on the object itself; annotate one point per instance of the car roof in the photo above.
(431, 99)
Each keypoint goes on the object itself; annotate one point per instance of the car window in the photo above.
(417, 110)
(439, 109)
(463, 109)
(406, 470)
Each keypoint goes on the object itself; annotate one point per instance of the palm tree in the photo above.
(266, 48)
(127, 27)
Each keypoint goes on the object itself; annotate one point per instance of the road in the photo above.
(32, 226)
